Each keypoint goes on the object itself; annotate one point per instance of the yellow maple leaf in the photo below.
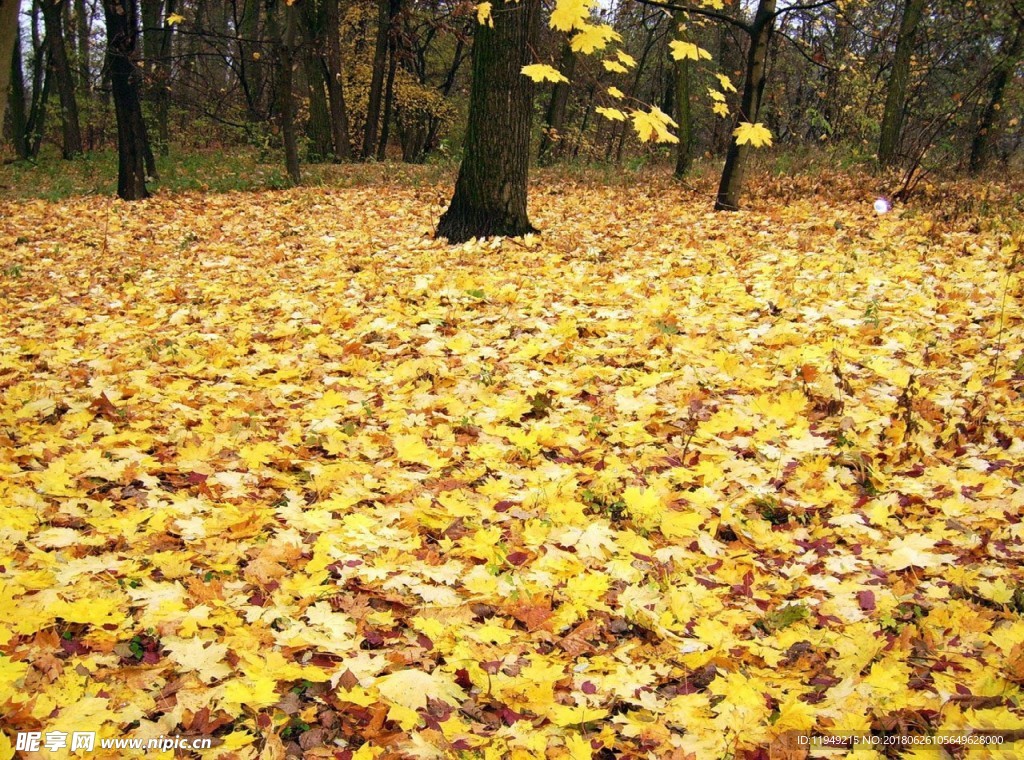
(726, 83)
(681, 50)
(483, 14)
(412, 448)
(611, 113)
(721, 109)
(618, 94)
(175, 18)
(653, 125)
(412, 688)
(755, 134)
(569, 14)
(255, 691)
(627, 60)
(541, 72)
(564, 715)
(614, 66)
(592, 37)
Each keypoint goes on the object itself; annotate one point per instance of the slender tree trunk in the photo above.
(490, 192)
(156, 50)
(82, 30)
(896, 91)
(133, 153)
(318, 128)
(16, 98)
(8, 33)
(58, 56)
(1010, 51)
(731, 186)
(284, 48)
(684, 151)
(380, 54)
(554, 120)
(389, 87)
(335, 89)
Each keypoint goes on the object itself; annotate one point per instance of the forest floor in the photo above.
(281, 469)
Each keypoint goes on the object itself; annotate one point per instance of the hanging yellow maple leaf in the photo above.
(755, 134)
(541, 72)
(592, 37)
(681, 50)
(483, 14)
(653, 125)
(569, 14)
(614, 114)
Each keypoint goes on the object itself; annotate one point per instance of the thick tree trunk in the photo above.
(133, 153)
(896, 91)
(335, 89)
(490, 192)
(156, 53)
(684, 151)
(380, 56)
(389, 86)
(63, 77)
(8, 33)
(284, 48)
(1010, 51)
(554, 120)
(318, 128)
(19, 119)
(731, 186)
(82, 31)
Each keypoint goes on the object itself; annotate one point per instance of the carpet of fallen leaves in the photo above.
(282, 469)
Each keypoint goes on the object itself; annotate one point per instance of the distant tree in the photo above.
(899, 76)
(63, 77)
(490, 192)
(1009, 56)
(8, 33)
(134, 156)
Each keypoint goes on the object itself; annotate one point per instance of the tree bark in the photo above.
(82, 31)
(284, 49)
(389, 87)
(16, 98)
(63, 77)
(335, 89)
(731, 186)
(684, 151)
(8, 33)
(1010, 51)
(133, 153)
(896, 90)
(380, 55)
(490, 192)
(554, 120)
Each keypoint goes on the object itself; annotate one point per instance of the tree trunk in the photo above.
(554, 120)
(8, 33)
(389, 87)
(16, 97)
(156, 52)
(64, 79)
(133, 153)
(684, 151)
(896, 91)
(318, 128)
(1010, 51)
(380, 55)
(731, 186)
(82, 31)
(490, 192)
(284, 48)
(335, 89)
